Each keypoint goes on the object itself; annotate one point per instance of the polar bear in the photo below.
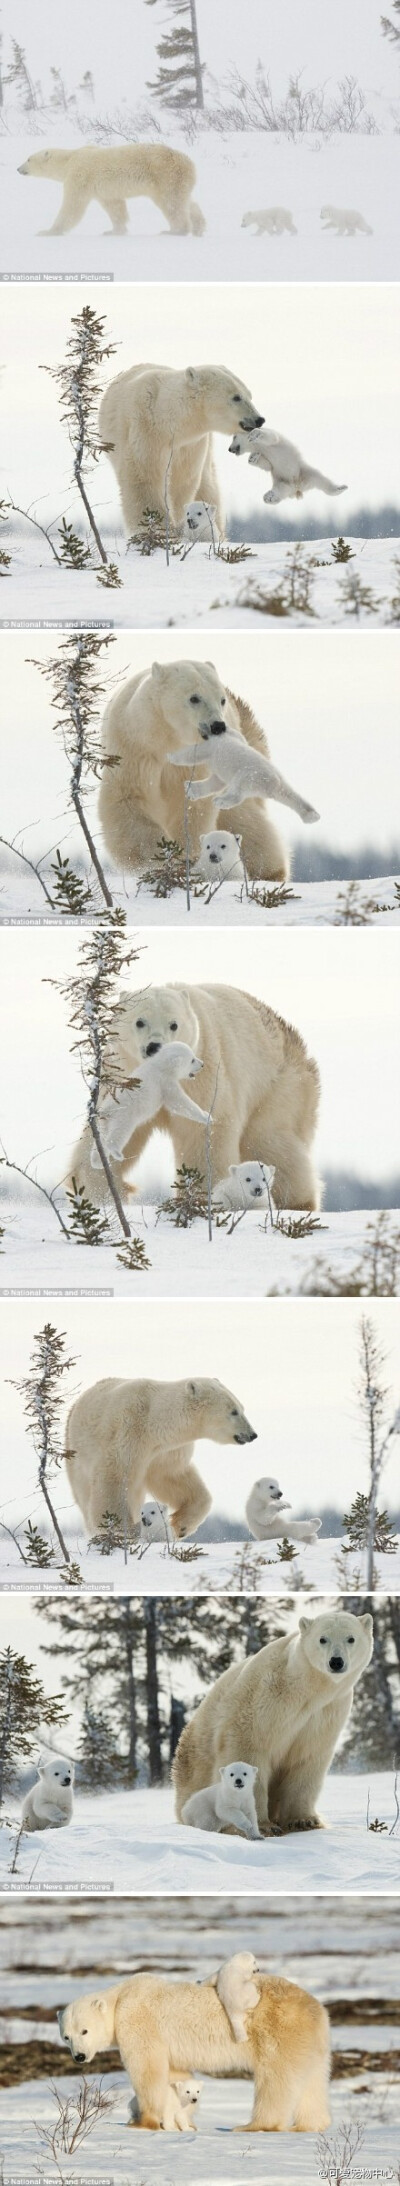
(272, 221)
(50, 1803)
(164, 2028)
(292, 477)
(156, 425)
(346, 223)
(283, 1710)
(219, 857)
(239, 1988)
(154, 1525)
(111, 174)
(236, 772)
(264, 1513)
(157, 1084)
(257, 1077)
(248, 1186)
(126, 1438)
(228, 1803)
(200, 523)
(180, 2106)
(142, 797)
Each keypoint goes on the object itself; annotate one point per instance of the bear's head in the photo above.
(220, 852)
(192, 698)
(337, 1645)
(87, 2026)
(239, 1775)
(221, 1417)
(268, 1491)
(223, 401)
(243, 1962)
(50, 163)
(254, 1177)
(58, 1772)
(152, 1019)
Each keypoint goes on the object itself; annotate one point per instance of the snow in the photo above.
(235, 173)
(312, 903)
(250, 1261)
(196, 592)
(249, 1566)
(130, 1840)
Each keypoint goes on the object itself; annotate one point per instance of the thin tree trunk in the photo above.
(132, 1709)
(89, 513)
(153, 1712)
(196, 55)
(5, 1733)
(92, 849)
(50, 1507)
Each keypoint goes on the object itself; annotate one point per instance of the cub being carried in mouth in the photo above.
(292, 477)
(236, 772)
(156, 1085)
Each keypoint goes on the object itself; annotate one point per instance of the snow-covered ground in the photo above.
(252, 1567)
(235, 173)
(309, 903)
(130, 1840)
(248, 1261)
(198, 592)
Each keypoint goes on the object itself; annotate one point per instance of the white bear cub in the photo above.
(158, 1086)
(264, 1513)
(248, 1184)
(292, 477)
(201, 522)
(346, 223)
(237, 772)
(271, 220)
(231, 1800)
(219, 857)
(154, 1524)
(180, 2106)
(238, 1990)
(50, 1803)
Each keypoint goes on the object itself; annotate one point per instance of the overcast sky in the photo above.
(329, 707)
(339, 987)
(321, 362)
(293, 1364)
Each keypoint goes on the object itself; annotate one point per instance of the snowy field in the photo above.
(199, 592)
(309, 903)
(130, 1840)
(250, 1261)
(249, 1567)
(235, 173)
(342, 1949)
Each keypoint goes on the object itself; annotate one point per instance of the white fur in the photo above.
(264, 1516)
(50, 1803)
(201, 522)
(292, 477)
(154, 1524)
(249, 1184)
(271, 221)
(219, 856)
(179, 2108)
(231, 1800)
(346, 223)
(237, 772)
(158, 1087)
(238, 1990)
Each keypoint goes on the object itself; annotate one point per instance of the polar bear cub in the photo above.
(154, 1525)
(271, 221)
(201, 522)
(292, 477)
(50, 1803)
(237, 772)
(219, 857)
(157, 1085)
(346, 223)
(180, 2106)
(264, 1515)
(231, 1800)
(238, 1990)
(248, 1184)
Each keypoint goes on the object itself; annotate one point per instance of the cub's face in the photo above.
(268, 1491)
(229, 402)
(192, 698)
(155, 1017)
(58, 1773)
(338, 1645)
(239, 1776)
(253, 1177)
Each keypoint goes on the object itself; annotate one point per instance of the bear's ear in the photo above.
(191, 373)
(233, 1166)
(100, 2004)
(238, 839)
(368, 1622)
(305, 1624)
(158, 672)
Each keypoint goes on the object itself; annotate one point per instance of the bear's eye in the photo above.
(323, 1643)
(84, 2030)
(174, 1026)
(140, 1023)
(195, 701)
(351, 1639)
(235, 1414)
(223, 701)
(236, 398)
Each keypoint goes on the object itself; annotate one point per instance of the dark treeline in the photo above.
(361, 523)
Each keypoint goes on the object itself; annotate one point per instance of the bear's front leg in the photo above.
(193, 1506)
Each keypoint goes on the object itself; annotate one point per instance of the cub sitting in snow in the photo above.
(248, 1184)
(219, 857)
(50, 1803)
(264, 1516)
(154, 1524)
(158, 1086)
(292, 477)
(238, 1990)
(180, 2106)
(237, 772)
(229, 1802)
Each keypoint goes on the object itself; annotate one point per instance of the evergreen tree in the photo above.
(42, 1392)
(99, 1755)
(24, 1709)
(78, 688)
(356, 1523)
(179, 83)
(372, 1739)
(95, 1020)
(79, 381)
(390, 29)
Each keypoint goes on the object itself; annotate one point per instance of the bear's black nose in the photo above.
(66, 1780)
(257, 1190)
(217, 728)
(214, 860)
(336, 1662)
(153, 1047)
(260, 421)
(80, 2057)
(239, 1781)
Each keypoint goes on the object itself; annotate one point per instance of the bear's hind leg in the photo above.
(263, 851)
(295, 1184)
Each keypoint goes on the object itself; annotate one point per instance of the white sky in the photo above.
(324, 42)
(293, 1364)
(339, 987)
(321, 362)
(329, 707)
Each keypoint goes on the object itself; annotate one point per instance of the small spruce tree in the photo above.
(79, 384)
(42, 1393)
(356, 1524)
(24, 1708)
(179, 83)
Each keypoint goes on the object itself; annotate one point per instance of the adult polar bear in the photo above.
(283, 1710)
(156, 425)
(257, 1075)
(125, 1439)
(164, 2027)
(111, 174)
(143, 797)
